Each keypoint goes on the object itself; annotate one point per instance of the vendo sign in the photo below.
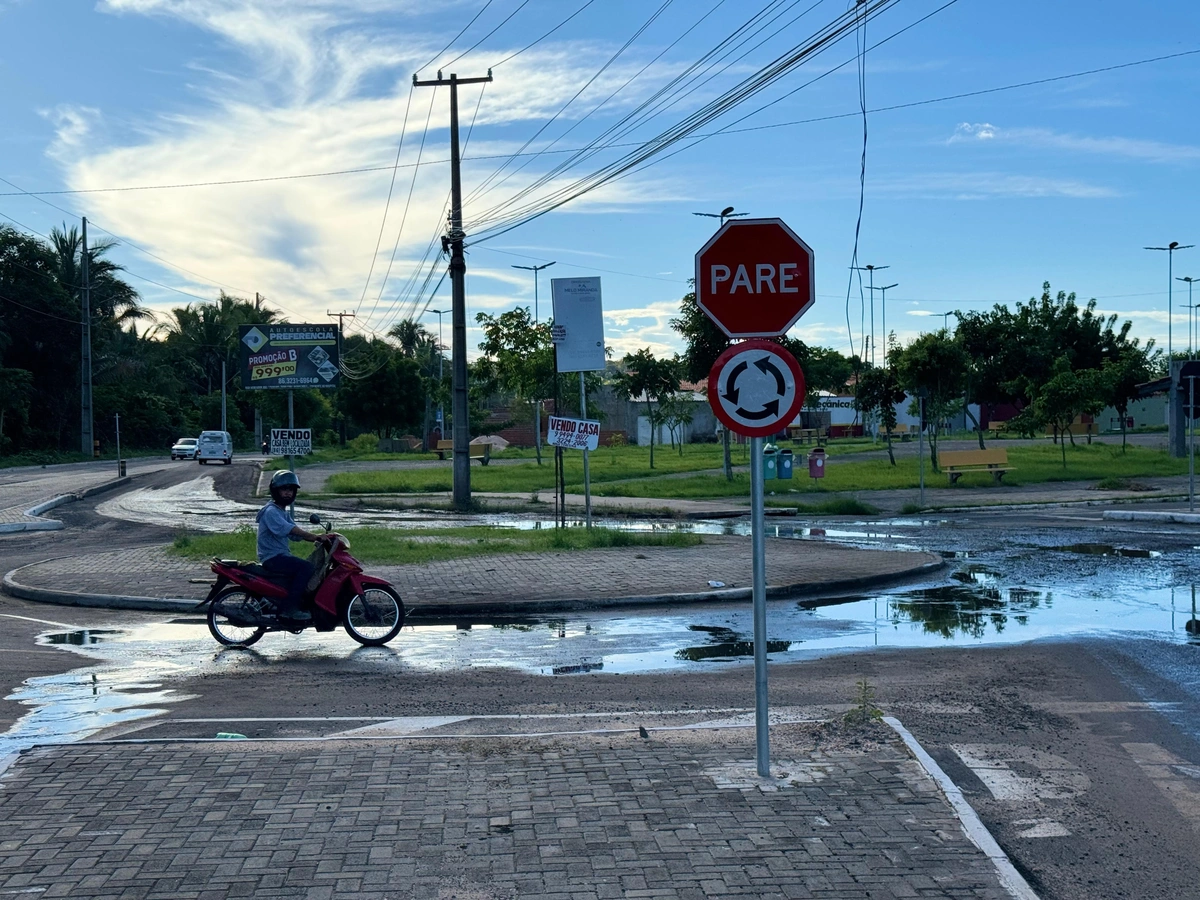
(755, 278)
(573, 434)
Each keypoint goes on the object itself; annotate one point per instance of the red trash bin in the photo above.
(816, 463)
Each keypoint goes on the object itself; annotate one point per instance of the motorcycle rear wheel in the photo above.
(223, 619)
(374, 617)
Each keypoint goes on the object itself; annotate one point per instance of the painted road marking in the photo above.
(1000, 767)
(1174, 777)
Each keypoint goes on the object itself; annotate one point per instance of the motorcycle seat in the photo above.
(253, 568)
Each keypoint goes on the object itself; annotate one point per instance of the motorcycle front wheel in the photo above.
(374, 617)
(229, 618)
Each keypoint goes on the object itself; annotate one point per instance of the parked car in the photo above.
(216, 446)
(185, 448)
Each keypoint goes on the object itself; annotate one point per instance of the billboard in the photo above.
(579, 323)
(288, 357)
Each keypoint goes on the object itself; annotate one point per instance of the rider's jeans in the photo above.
(298, 571)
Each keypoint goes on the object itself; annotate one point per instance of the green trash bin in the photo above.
(785, 464)
(770, 461)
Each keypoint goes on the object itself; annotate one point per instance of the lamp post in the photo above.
(1170, 249)
(441, 360)
(1189, 280)
(537, 407)
(883, 308)
(871, 270)
(726, 213)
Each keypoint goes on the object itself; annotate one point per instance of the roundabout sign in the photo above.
(756, 388)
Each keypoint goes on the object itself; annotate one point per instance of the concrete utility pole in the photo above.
(537, 407)
(453, 244)
(871, 270)
(341, 418)
(223, 428)
(86, 440)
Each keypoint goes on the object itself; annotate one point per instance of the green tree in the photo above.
(936, 364)
(385, 395)
(1065, 395)
(703, 342)
(646, 379)
(879, 391)
(1131, 366)
(518, 359)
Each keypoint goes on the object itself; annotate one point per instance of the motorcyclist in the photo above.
(276, 528)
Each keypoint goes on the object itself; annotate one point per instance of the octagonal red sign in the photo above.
(755, 278)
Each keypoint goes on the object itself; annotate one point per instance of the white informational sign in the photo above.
(291, 441)
(579, 314)
(573, 434)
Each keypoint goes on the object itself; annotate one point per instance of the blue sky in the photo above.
(970, 202)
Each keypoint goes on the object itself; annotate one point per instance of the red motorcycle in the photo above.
(242, 608)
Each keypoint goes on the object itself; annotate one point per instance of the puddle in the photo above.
(1109, 550)
(76, 705)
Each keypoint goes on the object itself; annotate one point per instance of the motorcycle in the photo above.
(241, 603)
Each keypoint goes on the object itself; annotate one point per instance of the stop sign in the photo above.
(755, 278)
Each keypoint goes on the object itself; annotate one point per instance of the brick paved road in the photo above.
(510, 581)
(534, 818)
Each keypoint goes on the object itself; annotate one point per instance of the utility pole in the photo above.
(871, 270)
(452, 243)
(85, 361)
(883, 309)
(223, 428)
(341, 416)
(258, 423)
(537, 407)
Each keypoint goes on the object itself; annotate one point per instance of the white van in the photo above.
(215, 445)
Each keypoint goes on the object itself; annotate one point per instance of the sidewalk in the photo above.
(677, 815)
(150, 578)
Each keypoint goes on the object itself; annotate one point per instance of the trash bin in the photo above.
(121, 468)
(816, 463)
(770, 459)
(785, 464)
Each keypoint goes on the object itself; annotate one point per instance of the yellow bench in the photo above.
(997, 427)
(955, 462)
(806, 435)
(481, 452)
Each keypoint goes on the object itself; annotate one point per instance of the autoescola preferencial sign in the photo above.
(288, 357)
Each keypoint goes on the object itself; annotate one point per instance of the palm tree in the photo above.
(111, 298)
(410, 336)
(206, 334)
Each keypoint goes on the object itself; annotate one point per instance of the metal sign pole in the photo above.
(119, 472)
(291, 425)
(587, 475)
(921, 445)
(758, 542)
(1191, 420)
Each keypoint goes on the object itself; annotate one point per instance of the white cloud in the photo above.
(1045, 138)
(308, 99)
(984, 185)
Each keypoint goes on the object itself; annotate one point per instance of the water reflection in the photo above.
(954, 610)
(724, 644)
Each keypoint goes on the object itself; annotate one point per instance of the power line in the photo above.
(547, 34)
(503, 22)
(456, 37)
(722, 132)
(388, 203)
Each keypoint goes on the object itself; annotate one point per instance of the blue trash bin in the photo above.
(785, 464)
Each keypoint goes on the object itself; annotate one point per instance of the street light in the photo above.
(1170, 248)
(1189, 279)
(537, 407)
(871, 270)
(883, 307)
(441, 360)
(726, 213)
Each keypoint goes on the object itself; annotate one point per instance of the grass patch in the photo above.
(390, 546)
(1115, 483)
(54, 458)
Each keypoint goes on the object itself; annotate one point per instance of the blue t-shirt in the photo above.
(274, 527)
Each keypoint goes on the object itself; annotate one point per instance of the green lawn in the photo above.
(606, 464)
(410, 546)
(1033, 464)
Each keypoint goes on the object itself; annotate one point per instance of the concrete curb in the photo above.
(46, 505)
(972, 827)
(170, 604)
(1182, 518)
